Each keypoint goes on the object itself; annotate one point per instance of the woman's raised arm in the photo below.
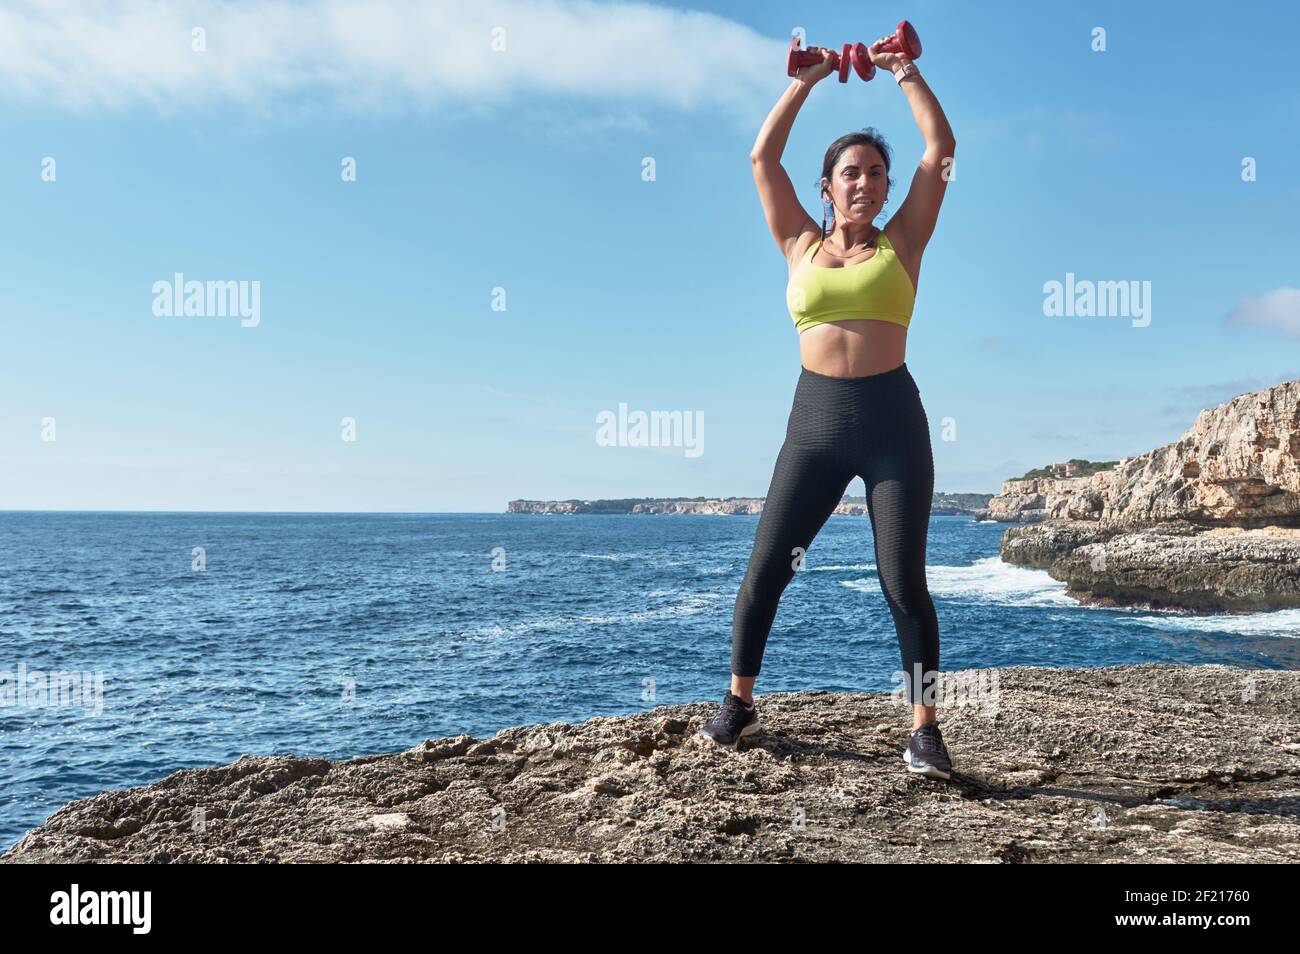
(786, 217)
(920, 210)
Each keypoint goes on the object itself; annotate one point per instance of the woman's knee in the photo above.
(907, 594)
(768, 576)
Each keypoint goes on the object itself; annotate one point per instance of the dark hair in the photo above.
(871, 136)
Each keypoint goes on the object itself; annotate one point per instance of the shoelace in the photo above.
(928, 737)
(732, 708)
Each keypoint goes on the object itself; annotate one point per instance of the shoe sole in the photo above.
(748, 730)
(929, 771)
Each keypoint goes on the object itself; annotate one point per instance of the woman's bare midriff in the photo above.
(853, 349)
(857, 347)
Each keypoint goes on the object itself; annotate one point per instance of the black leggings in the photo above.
(872, 427)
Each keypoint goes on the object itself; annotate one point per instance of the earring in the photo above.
(828, 208)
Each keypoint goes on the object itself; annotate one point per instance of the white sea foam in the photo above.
(994, 581)
(1284, 623)
(847, 566)
(988, 580)
(694, 603)
(865, 585)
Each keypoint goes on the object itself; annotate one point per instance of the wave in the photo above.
(692, 604)
(696, 603)
(987, 580)
(511, 630)
(993, 581)
(865, 585)
(1283, 623)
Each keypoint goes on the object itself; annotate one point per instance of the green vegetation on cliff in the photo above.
(1079, 468)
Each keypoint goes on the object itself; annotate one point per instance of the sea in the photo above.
(133, 645)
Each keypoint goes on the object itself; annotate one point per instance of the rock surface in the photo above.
(1169, 566)
(1210, 522)
(1150, 763)
(1033, 498)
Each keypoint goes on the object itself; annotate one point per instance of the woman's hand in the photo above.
(885, 61)
(815, 74)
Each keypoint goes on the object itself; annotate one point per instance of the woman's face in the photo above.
(858, 185)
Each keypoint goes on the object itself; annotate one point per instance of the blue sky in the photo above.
(522, 169)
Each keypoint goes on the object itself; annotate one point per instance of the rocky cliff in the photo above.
(1148, 763)
(1210, 521)
(731, 505)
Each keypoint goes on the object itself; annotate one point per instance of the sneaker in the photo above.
(926, 754)
(732, 723)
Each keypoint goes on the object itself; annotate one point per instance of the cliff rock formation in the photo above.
(1210, 521)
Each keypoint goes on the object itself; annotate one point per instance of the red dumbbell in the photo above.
(903, 41)
(854, 54)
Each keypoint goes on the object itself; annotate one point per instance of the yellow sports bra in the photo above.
(878, 289)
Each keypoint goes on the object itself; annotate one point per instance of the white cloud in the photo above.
(381, 54)
(1279, 309)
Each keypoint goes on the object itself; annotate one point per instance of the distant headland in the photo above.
(943, 504)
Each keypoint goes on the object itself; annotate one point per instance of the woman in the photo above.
(857, 411)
